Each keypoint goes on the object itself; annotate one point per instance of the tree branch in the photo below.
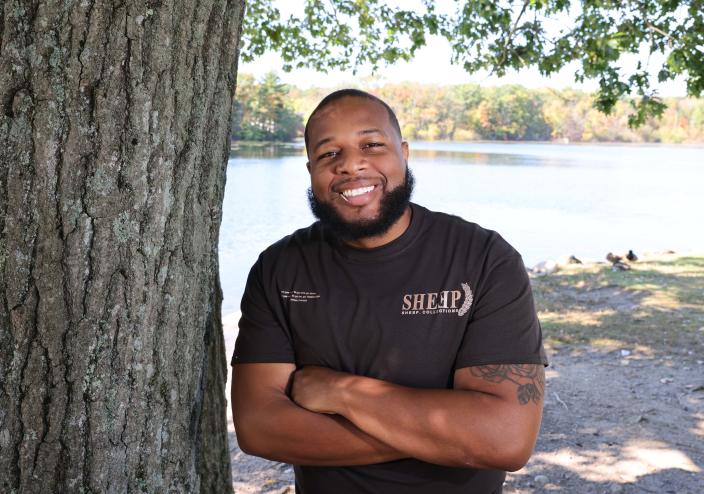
(509, 38)
(670, 38)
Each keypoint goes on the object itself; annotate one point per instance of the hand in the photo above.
(318, 389)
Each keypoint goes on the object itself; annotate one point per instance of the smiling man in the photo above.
(386, 348)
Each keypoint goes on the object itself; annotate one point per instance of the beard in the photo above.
(391, 208)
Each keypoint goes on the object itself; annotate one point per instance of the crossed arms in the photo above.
(317, 416)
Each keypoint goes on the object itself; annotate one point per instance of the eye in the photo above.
(373, 145)
(329, 154)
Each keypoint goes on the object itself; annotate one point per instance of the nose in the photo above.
(351, 163)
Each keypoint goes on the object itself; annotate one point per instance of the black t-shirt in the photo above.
(444, 295)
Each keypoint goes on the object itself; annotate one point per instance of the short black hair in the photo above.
(355, 93)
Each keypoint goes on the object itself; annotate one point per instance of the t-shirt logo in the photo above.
(443, 302)
(299, 296)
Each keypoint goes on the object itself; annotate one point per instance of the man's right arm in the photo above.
(270, 425)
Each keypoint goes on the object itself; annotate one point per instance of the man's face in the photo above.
(356, 160)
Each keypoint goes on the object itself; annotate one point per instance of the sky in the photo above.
(431, 65)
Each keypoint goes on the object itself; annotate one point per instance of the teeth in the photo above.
(357, 192)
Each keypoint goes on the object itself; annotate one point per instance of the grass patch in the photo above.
(658, 304)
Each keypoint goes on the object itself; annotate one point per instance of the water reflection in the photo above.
(483, 158)
(513, 153)
(265, 150)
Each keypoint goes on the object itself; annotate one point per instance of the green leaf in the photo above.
(496, 37)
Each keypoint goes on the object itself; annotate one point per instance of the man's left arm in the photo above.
(490, 419)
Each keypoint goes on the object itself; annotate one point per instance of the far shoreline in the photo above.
(298, 143)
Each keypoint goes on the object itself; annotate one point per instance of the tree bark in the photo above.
(114, 128)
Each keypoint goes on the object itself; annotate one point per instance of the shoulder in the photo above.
(298, 244)
(454, 230)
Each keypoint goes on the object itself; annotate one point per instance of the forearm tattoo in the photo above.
(530, 379)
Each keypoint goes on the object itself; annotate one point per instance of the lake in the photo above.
(548, 200)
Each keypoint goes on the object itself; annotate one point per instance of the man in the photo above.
(386, 348)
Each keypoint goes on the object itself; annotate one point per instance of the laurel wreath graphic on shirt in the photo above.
(468, 299)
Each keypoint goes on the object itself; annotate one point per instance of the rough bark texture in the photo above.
(113, 148)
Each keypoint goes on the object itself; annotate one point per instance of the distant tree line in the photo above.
(269, 110)
(262, 110)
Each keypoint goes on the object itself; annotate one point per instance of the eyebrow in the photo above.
(321, 142)
(373, 130)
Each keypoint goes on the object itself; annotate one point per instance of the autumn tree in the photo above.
(511, 113)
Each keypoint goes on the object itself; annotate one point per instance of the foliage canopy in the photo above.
(499, 36)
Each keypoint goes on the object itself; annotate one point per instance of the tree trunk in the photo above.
(114, 132)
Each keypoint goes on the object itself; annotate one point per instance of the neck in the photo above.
(396, 230)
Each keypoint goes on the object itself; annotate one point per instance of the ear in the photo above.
(308, 166)
(404, 150)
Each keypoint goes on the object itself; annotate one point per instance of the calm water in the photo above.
(548, 200)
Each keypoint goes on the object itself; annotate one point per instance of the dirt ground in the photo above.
(624, 401)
